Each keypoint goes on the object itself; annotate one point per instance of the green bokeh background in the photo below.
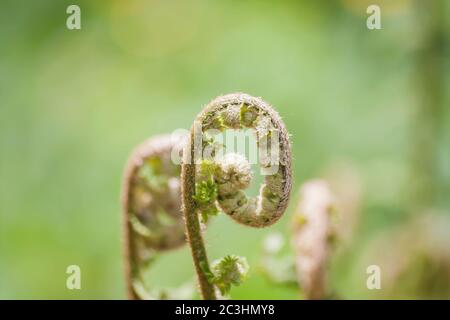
(74, 103)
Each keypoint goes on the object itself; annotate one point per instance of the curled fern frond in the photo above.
(213, 183)
(233, 175)
(151, 203)
(313, 235)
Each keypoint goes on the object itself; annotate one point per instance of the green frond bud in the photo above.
(219, 123)
(228, 271)
(151, 173)
(205, 192)
(206, 169)
(248, 115)
(205, 197)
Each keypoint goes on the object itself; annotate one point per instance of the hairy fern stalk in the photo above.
(151, 202)
(218, 183)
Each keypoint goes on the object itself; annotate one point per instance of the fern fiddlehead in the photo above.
(151, 203)
(219, 182)
(313, 232)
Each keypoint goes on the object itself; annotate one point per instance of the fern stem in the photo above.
(193, 232)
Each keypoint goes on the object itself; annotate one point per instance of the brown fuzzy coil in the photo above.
(313, 231)
(241, 111)
(207, 183)
(151, 204)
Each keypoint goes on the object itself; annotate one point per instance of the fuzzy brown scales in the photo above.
(313, 231)
(236, 111)
(142, 203)
(261, 117)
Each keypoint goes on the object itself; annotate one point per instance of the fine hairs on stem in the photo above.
(210, 184)
(313, 232)
(151, 203)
